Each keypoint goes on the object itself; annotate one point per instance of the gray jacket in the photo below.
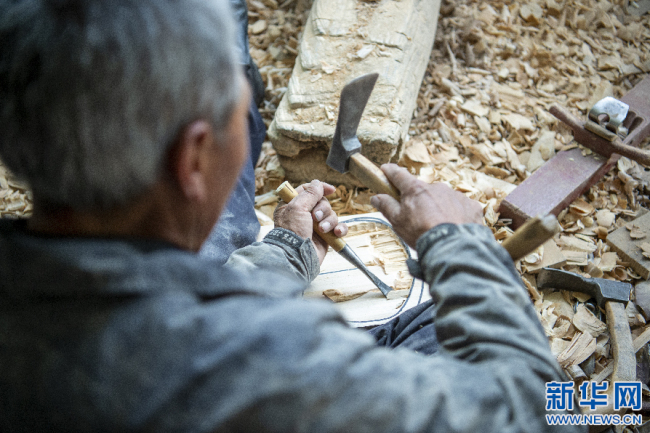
(122, 335)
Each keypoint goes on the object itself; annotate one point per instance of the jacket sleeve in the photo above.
(294, 365)
(483, 311)
(281, 251)
(489, 375)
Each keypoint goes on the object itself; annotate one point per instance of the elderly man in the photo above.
(128, 119)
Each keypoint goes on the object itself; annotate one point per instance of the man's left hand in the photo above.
(310, 205)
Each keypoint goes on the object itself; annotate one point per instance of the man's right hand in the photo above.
(423, 206)
(308, 207)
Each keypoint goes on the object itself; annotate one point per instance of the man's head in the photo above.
(95, 93)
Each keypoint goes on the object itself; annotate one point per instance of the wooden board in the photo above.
(629, 249)
(555, 185)
(372, 239)
(342, 40)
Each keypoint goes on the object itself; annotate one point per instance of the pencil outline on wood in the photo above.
(400, 310)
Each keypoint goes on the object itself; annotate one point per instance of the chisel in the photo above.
(287, 193)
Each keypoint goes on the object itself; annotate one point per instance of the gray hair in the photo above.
(94, 92)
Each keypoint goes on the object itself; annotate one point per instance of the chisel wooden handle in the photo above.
(287, 193)
(371, 176)
(530, 235)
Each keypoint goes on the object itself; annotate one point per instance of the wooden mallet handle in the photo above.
(531, 235)
(287, 193)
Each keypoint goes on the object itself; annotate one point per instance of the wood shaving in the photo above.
(645, 247)
(585, 321)
(581, 347)
(637, 233)
(338, 296)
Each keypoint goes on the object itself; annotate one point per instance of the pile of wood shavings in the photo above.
(15, 196)
(274, 31)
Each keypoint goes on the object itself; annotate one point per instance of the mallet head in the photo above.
(600, 289)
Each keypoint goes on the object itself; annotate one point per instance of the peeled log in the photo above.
(342, 40)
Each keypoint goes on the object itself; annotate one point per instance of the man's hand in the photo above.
(310, 205)
(423, 206)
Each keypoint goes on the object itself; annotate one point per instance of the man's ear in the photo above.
(189, 160)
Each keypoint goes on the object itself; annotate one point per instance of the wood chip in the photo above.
(416, 151)
(637, 233)
(581, 207)
(601, 232)
(608, 261)
(581, 347)
(531, 13)
(594, 270)
(552, 257)
(475, 108)
(575, 244)
(258, 27)
(605, 218)
(576, 258)
(586, 322)
(403, 281)
(338, 296)
(518, 122)
(563, 308)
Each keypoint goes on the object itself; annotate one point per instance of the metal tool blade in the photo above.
(354, 98)
(600, 289)
(615, 113)
(351, 257)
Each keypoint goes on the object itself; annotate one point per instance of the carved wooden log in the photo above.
(342, 40)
